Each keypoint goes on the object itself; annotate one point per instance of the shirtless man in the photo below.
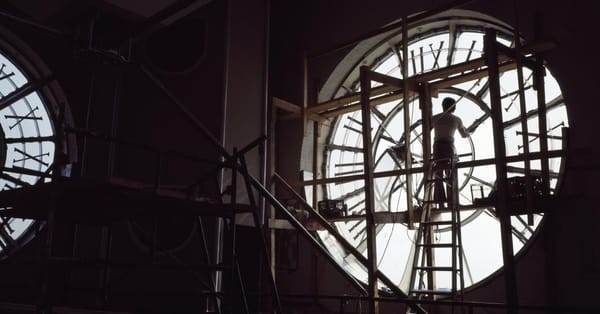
(445, 124)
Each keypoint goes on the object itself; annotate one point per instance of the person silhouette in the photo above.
(445, 125)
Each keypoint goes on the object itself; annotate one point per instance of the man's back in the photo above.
(444, 126)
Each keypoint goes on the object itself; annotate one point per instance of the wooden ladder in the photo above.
(424, 269)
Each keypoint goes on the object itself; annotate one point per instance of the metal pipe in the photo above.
(186, 112)
(265, 252)
(149, 25)
(265, 110)
(143, 146)
(114, 123)
(30, 23)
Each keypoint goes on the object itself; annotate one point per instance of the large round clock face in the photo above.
(27, 132)
(437, 48)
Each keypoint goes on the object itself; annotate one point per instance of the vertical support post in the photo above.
(107, 235)
(524, 126)
(45, 303)
(538, 79)
(365, 93)
(315, 164)
(428, 236)
(525, 133)
(263, 242)
(406, 101)
(455, 224)
(270, 172)
(212, 303)
(114, 124)
(232, 230)
(491, 59)
(305, 93)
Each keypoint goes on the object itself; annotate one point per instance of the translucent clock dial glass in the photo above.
(27, 140)
(343, 156)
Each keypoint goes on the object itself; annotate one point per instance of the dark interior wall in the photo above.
(309, 27)
(563, 255)
(144, 115)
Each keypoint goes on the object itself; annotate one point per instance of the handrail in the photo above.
(142, 146)
(267, 195)
(345, 244)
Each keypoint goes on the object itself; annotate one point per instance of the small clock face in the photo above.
(28, 142)
(436, 48)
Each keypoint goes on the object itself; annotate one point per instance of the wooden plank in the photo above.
(365, 86)
(471, 76)
(353, 98)
(301, 115)
(355, 107)
(501, 182)
(286, 105)
(463, 164)
(406, 119)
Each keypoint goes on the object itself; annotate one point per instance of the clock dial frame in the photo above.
(33, 115)
(433, 45)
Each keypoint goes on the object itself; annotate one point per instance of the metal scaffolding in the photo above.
(90, 201)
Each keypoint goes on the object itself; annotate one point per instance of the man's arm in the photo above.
(461, 129)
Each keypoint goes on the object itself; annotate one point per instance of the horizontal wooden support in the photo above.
(471, 76)
(448, 75)
(463, 164)
(381, 90)
(286, 105)
(356, 106)
(390, 80)
(513, 54)
(335, 103)
(294, 116)
(539, 46)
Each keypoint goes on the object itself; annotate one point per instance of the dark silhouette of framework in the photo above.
(103, 202)
(497, 58)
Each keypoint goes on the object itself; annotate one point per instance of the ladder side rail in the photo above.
(427, 198)
(455, 222)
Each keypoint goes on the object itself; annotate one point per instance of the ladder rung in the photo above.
(437, 223)
(432, 291)
(433, 201)
(439, 179)
(438, 245)
(435, 268)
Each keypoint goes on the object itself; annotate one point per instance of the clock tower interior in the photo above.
(232, 156)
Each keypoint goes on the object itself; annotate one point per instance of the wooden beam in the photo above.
(406, 119)
(355, 107)
(462, 164)
(510, 280)
(301, 115)
(353, 98)
(365, 86)
(430, 77)
(286, 105)
(471, 76)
